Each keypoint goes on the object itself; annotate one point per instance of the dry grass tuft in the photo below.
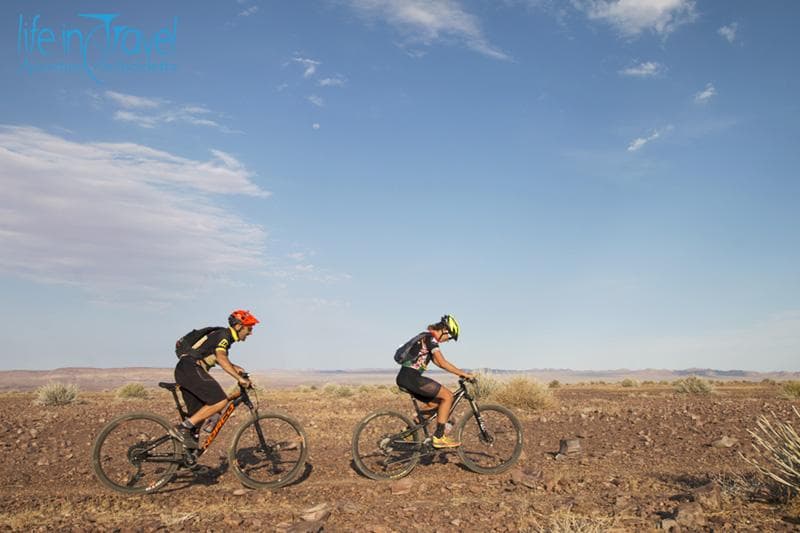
(555, 384)
(567, 522)
(628, 382)
(693, 385)
(524, 393)
(56, 394)
(779, 445)
(790, 389)
(135, 391)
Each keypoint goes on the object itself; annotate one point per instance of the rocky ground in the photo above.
(649, 459)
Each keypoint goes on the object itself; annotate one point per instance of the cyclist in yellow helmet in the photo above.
(421, 350)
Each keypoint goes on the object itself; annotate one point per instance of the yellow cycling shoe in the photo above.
(445, 442)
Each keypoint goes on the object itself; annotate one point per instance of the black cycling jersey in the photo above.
(216, 340)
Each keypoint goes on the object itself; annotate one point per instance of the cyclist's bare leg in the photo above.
(206, 411)
(445, 399)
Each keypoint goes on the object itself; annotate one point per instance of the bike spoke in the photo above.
(134, 455)
(378, 451)
(271, 458)
(497, 448)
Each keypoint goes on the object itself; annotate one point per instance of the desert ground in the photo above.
(650, 459)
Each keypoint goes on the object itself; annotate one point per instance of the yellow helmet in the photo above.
(452, 326)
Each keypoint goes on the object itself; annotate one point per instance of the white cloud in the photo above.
(153, 112)
(426, 22)
(310, 65)
(336, 81)
(252, 10)
(729, 32)
(121, 220)
(129, 101)
(706, 94)
(632, 17)
(315, 125)
(639, 142)
(646, 69)
(316, 100)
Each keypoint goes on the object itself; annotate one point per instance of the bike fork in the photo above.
(479, 419)
(261, 438)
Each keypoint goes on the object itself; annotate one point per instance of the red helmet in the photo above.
(240, 316)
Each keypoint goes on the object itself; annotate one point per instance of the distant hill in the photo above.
(98, 379)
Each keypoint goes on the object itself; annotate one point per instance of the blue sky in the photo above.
(592, 184)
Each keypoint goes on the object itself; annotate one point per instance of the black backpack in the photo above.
(405, 352)
(183, 346)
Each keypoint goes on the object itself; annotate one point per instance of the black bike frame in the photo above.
(460, 394)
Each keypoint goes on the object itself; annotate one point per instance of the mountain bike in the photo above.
(388, 445)
(134, 453)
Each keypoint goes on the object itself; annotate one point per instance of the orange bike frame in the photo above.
(221, 422)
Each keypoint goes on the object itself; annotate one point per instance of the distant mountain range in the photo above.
(98, 379)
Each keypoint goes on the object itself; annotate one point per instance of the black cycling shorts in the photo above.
(422, 388)
(197, 385)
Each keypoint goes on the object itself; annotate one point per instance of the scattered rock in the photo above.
(525, 478)
(233, 521)
(709, 496)
(402, 486)
(670, 525)
(569, 446)
(305, 527)
(240, 492)
(725, 442)
(690, 515)
(551, 480)
(317, 513)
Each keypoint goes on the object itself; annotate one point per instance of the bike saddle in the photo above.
(168, 386)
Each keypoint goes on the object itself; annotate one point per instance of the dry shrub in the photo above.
(484, 386)
(779, 445)
(130, 391)
(56, 394)
(693, 385)
(524, 393)
(554, 384)
(790, 389)
(628, 382)
(340, 391)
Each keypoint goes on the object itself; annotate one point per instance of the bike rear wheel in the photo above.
(495, 451)
(379, 453)
(134, 453)
(268, 451)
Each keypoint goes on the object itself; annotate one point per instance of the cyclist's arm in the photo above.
(230, 368)
(444, 364)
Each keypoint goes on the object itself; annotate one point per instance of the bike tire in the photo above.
(121, 448)
(277, 466)
(372, 452)
(490, 457)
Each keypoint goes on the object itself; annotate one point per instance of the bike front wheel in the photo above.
(383, 448)
(268, 451)
(134, 453)
(496, 447)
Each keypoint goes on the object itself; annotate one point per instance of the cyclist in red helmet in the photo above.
(202, 394)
